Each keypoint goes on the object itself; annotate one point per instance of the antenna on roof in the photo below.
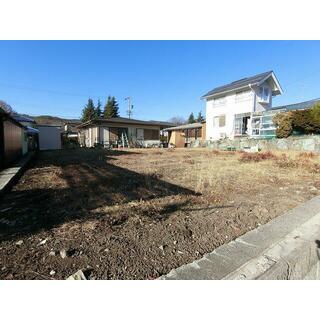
(130, 107)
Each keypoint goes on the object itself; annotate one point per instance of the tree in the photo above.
(98, 110)
(200, 117)
(89, 111)
(111, 109)
(177, 120)
(6, 107)
(191, 118)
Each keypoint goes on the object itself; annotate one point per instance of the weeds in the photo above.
(257, 156)
(307, 155)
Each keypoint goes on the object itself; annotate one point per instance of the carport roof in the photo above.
(185, 126)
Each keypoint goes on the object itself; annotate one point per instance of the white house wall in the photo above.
(229, 109)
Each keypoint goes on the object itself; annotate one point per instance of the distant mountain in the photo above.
(43, 119)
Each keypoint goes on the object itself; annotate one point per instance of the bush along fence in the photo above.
(305, 121)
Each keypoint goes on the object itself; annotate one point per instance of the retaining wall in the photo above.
(298, 143)
(288, 247)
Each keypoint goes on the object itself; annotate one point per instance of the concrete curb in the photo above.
(10, 175)
(285, 248)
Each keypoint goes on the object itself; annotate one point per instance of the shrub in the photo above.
(283, 123)
(302, 121)
(315, 115)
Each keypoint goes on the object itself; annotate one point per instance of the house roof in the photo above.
(185, 126)
(21, 118)
(73, 122)
(244, 83)
(5, 115)
(296, 106)
(126, 121)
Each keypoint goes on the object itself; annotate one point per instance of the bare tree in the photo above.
(6, 107)
(177, 120)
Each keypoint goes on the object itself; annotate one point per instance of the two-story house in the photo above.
(233, 110)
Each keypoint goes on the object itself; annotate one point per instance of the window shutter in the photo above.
(222, 120)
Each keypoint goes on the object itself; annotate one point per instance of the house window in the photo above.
(264, 94)
(243, 95)
(241, 124)
(216, 122)
(222, 120)
(219, 101)
(219, 121)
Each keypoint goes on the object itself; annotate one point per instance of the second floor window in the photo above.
(219, 101)
(264, 94)
(243, 95)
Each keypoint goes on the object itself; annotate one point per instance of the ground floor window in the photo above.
(262, 124)
(241, 124)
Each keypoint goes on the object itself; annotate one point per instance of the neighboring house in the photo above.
(184, 135)
(235, 109)
(49, 137)
(13, 139)
(70, 129)
(120, 132)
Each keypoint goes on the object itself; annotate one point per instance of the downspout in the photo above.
(254, 106)
(254, 98)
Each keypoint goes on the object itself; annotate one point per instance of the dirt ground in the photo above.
(136, 214)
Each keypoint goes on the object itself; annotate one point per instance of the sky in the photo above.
(163, 78)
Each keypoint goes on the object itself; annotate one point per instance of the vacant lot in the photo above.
(137, 214)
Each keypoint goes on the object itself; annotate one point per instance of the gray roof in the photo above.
(185, 126)
(21, 118)
(296, 106)
(126, 121)
(239, 84)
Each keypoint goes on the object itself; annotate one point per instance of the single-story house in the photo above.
(13, 139)
(121, 132)
(183, 135)
(49, 137)
(235, 110)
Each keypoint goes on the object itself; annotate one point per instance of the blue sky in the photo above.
(164, 78)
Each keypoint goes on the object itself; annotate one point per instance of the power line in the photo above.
(18, 87)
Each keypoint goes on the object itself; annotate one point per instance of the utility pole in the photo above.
(130, 106)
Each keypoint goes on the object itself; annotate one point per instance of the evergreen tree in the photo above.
(89, 111)
(111, 109)
(191, 118)
(200, 117)
(98, 110)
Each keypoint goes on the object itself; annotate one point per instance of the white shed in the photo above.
(49, 137)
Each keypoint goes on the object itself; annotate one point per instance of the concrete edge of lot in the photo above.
(287, 247)
(9, 176)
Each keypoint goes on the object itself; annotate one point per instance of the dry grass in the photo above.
(119, 207)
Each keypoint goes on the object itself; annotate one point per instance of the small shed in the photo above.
(13, 139)
(49, 137)
(184, 135)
